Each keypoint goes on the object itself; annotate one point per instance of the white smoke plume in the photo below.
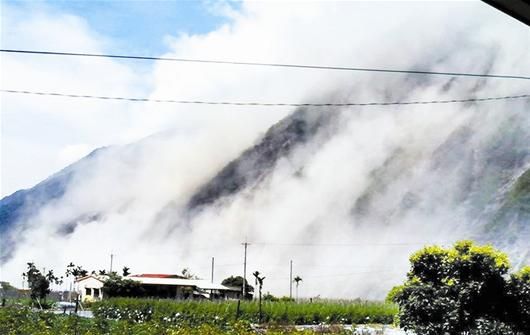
(134, 196)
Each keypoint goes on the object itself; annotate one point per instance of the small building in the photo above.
(90, 288)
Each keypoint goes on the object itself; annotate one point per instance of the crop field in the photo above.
(281, 312)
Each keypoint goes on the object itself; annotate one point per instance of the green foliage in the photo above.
(39, 283)
(394, 292)
(116, 286)
(75, 271)
(237, 281)
(23, 321)
(518, 293)
(282, 312)
(462, 289)
(521, 187)
(286, 299)
(269, 297)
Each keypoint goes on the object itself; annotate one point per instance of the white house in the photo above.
(90, 287)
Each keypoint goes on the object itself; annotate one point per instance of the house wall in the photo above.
(90, 289)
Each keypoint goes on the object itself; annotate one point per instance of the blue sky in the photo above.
(138, 26)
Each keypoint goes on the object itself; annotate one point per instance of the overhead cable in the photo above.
(264, 104)
(363, 244)
(299, 66)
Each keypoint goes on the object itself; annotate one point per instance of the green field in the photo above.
(281, 312)
(23, 321)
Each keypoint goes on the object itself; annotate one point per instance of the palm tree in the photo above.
(297, 280)
(259, 283)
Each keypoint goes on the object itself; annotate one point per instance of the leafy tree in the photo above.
(461, 290)
(75, 271)
(237, 281)
(519, 299)
(38, 283)
(269, 297)
(116, 286)
(126, 271)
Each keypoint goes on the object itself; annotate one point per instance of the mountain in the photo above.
(257, 162)
(21, 206)
(457, 179)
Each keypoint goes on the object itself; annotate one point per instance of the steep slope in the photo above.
(259, 161)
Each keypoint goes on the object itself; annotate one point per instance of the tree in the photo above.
(297, 280)
(237, 281)
(269, 297)
(39, 284)
(519, 299)
(75, 271)
(116, 286)
(259, 283)
(461, 290)
(126, 271)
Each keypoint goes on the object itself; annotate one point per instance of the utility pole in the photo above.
(213, 264)
(111, 259)
(246, 244)
(291, 280)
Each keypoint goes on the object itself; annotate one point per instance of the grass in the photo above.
(281, 312)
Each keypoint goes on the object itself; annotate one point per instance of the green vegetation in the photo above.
(23, 321)
(515, 207)
(521, 187)
(463, 290)
(280, 312)
(39, 284)
(237, 281)
(116, 286)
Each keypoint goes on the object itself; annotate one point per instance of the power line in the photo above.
(300, 66)
(345, 244)
(264, 104)
(342, 274)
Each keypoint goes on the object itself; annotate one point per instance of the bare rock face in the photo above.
(258, 161)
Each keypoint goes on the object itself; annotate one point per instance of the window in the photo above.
(96, 293)
(87, 291)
